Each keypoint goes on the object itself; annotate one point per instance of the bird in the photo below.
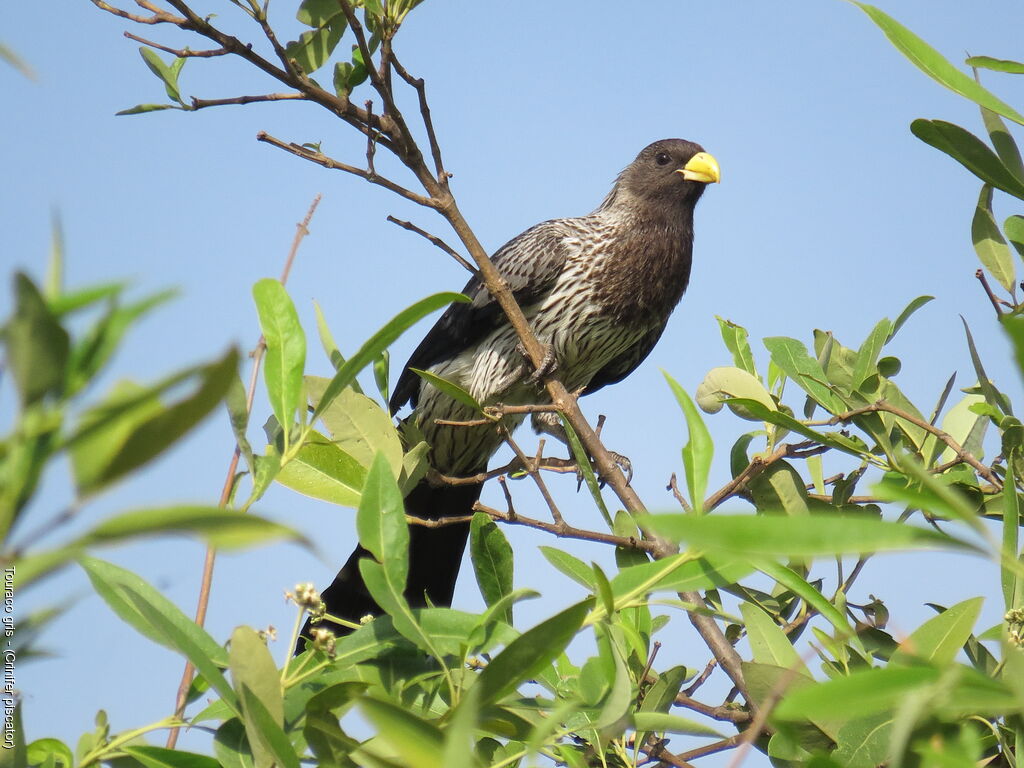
(597, 290)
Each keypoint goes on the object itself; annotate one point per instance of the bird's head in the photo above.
(670, 171)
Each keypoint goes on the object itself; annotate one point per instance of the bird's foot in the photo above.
(548, 365)
(622, 462)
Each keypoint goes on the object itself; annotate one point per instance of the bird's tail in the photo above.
(435, 555)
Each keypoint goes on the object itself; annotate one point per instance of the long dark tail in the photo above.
(435, 555)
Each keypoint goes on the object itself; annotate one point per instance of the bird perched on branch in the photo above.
(597, 290)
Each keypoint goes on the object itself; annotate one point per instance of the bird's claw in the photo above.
(548, 364)
(622, 462)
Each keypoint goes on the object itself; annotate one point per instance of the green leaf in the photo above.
(735, 338)
(832, 439)
(870, 691)
(1002, 142)
(768, 642)
(996, 65)
(417, 742)
(191, 642)
(527, 655)
(37, 345)
(329, 345)
(780, 488)
(358, 425)
(42, 750)
(492, 561)
(220, 528)
(1014, 229)
(583, 464)
(959, 423)
(867, 355)
(1010, 579)
(729, 382)
(231, 746)
(992, 396)
(935, 65)
(312, 50)
(113, 585)
(317, 13)
(169, 75)
(238, 413)
(910, 309)
(380, 341)
(620, 696)
(139, 109)
(91, 354)
(254, 676)
(381, 524)
(677, 573)
(699, 449)
(279, 750)
(286, 350)
(942, 637)
(970, 151)
(792, 357)
(132, 427)
(323, 471)
(68, 302)
(804, 536)
(989, 243)
(663, 722)
(160, 757)
(453, 391)
(570, 565)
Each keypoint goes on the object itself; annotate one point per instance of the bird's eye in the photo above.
(662, 158)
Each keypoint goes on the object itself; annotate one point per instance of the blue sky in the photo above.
(830, 215)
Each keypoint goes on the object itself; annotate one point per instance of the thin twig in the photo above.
(238, 100)
(181, 53)
(882, 406)
(158, 17)
(692, 689)
(329, 162)
(435, 240)
(723, 713)
(562, 530)
(428, 123)
(995, 300)
(710, 749)
(532, 468)
(229, 480)
(673, 486)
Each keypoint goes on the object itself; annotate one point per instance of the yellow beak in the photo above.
(703, 168)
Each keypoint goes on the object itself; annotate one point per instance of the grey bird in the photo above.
(598, 291)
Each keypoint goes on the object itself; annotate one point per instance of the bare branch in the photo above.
(328, 162)
(421, 92)
(238, 100)
(229, 481)
(532, 468)
(881, 406)
(181, 53)
(158, 17)
(435, 240)
(562, 530)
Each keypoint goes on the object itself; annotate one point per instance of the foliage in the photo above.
(822, 681)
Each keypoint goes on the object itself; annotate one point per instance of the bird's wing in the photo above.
(530, 263)
(623, 365)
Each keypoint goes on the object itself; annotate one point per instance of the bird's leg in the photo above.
(548, 365)
(548, 423)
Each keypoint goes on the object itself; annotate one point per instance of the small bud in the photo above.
(305, 596)
(268, 635)
(324, 640)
